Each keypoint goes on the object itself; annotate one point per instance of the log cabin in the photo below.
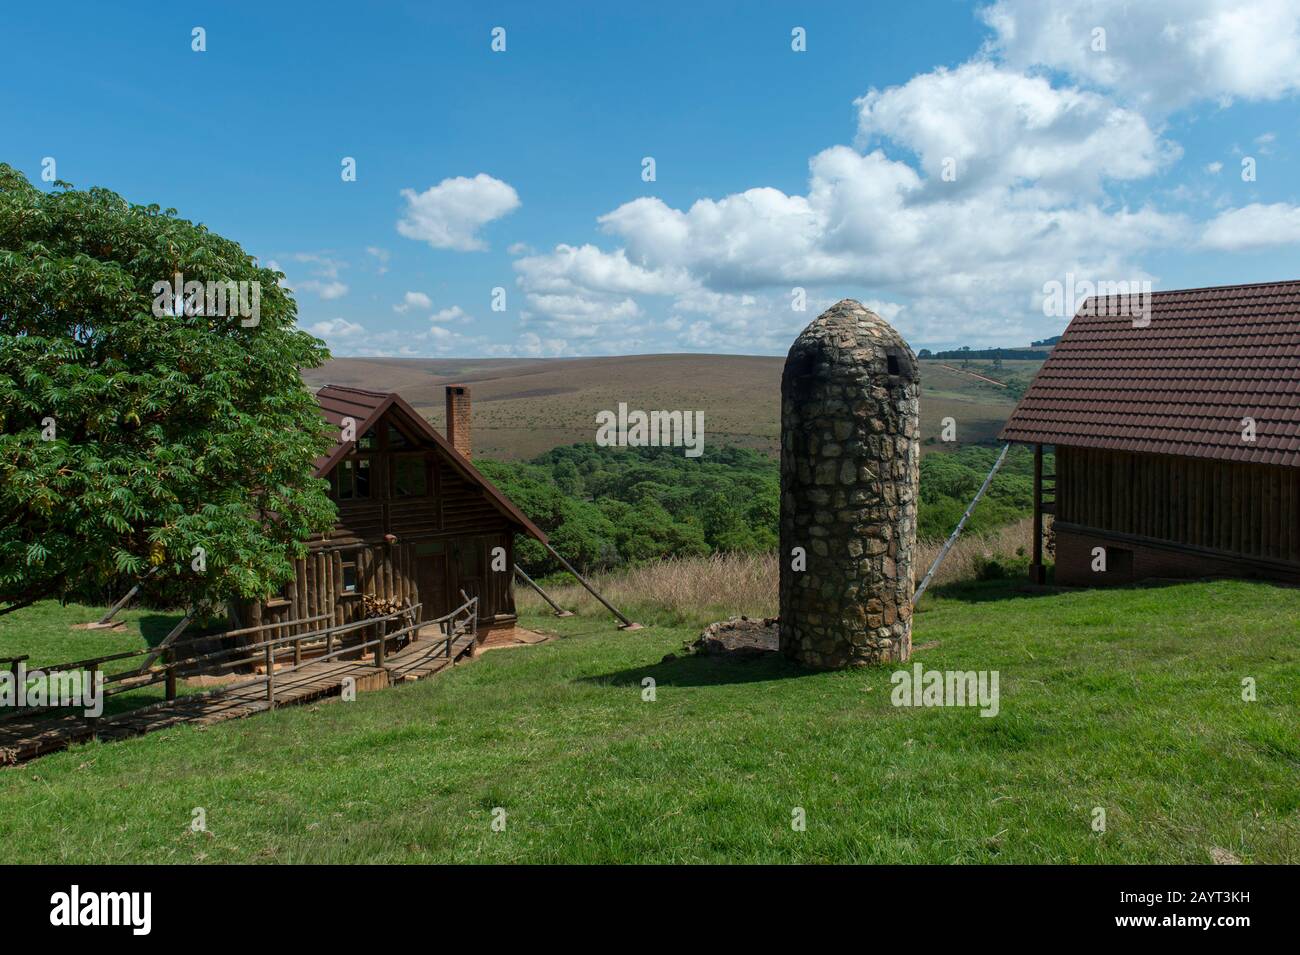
(1176, 436)
(417, 522)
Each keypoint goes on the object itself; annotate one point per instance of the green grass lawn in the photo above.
(1129, 700)
(47, 633)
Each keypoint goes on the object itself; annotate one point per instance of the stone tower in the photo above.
(850, 464)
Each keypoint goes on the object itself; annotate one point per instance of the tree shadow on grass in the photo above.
(1017, 588)
(706, 670)
(988, 591)
(154, 627)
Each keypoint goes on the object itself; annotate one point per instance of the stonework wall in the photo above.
(850, 466)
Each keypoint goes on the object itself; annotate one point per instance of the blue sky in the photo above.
(1111, 160)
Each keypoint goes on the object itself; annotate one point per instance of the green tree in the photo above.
(129, 438)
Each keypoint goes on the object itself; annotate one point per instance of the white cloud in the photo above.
(416, 300)
(336, 328)
(452, 314)
(448, 215)
(866, 221)
(1253, 227)
(1161, 55)
(533, 346)
(325, 275)
(1000, 126)
(383, 255)
(326, 290)
(1214, 168)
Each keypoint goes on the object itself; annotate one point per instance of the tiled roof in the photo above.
(1180, 385)
(366, 407)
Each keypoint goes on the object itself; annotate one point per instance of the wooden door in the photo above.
(467, 574)
(431, 579)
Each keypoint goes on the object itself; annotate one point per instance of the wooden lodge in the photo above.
(1176, 436)
(417, 522)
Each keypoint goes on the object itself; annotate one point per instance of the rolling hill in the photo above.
(523, 407)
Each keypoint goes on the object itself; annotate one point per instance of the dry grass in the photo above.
(699, 590)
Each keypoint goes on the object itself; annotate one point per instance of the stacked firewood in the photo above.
(382, 606)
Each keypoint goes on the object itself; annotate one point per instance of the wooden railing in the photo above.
(452, 626)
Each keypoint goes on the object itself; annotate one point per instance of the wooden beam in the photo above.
(1037, 572)
(559, 611)
(626, 624)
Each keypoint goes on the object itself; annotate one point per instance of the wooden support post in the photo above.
(270, 676)
(90, 676)
(626, 624)
(112, 611)
(167, 641)
(559, 611)
(171, 674)
(297, 653)
(1037, 572)
(379, 647)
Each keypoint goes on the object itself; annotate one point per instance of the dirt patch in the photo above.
(512, 637)
(115, 627)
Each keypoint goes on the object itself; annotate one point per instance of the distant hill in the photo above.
(525, 406)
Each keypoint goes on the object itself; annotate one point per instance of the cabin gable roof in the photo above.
(367, 408)
(1180, 385)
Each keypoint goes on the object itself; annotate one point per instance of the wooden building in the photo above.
(1176, 436)
(417, 522)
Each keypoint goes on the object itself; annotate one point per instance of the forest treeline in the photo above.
(609, 507)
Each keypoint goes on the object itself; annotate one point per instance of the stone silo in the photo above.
(850, 465)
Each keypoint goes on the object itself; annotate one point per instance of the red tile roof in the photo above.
(366, 407)
(1181, 385)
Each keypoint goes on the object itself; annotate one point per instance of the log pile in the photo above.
(382, 606)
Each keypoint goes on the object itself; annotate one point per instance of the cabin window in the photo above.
(409, 477)
(367, 441)
(396, 440)
(349, 576)
(429, 549)
(351, 480)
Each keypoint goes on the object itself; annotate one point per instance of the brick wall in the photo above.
(458, 418)
(1129, 560)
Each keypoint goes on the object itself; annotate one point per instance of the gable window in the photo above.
(396, 440)
(350, 481)
(367, 441)
(410, 477)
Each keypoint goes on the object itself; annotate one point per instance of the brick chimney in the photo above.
(458, 418)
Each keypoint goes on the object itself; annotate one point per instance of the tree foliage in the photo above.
(606, 507)
(170, 432)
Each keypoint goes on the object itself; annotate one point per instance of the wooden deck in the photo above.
(26, 738)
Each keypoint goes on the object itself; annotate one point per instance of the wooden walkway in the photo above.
(26, 738)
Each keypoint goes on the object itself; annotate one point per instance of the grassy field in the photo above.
(1128, 700)
(48, 634)
(523, 407)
